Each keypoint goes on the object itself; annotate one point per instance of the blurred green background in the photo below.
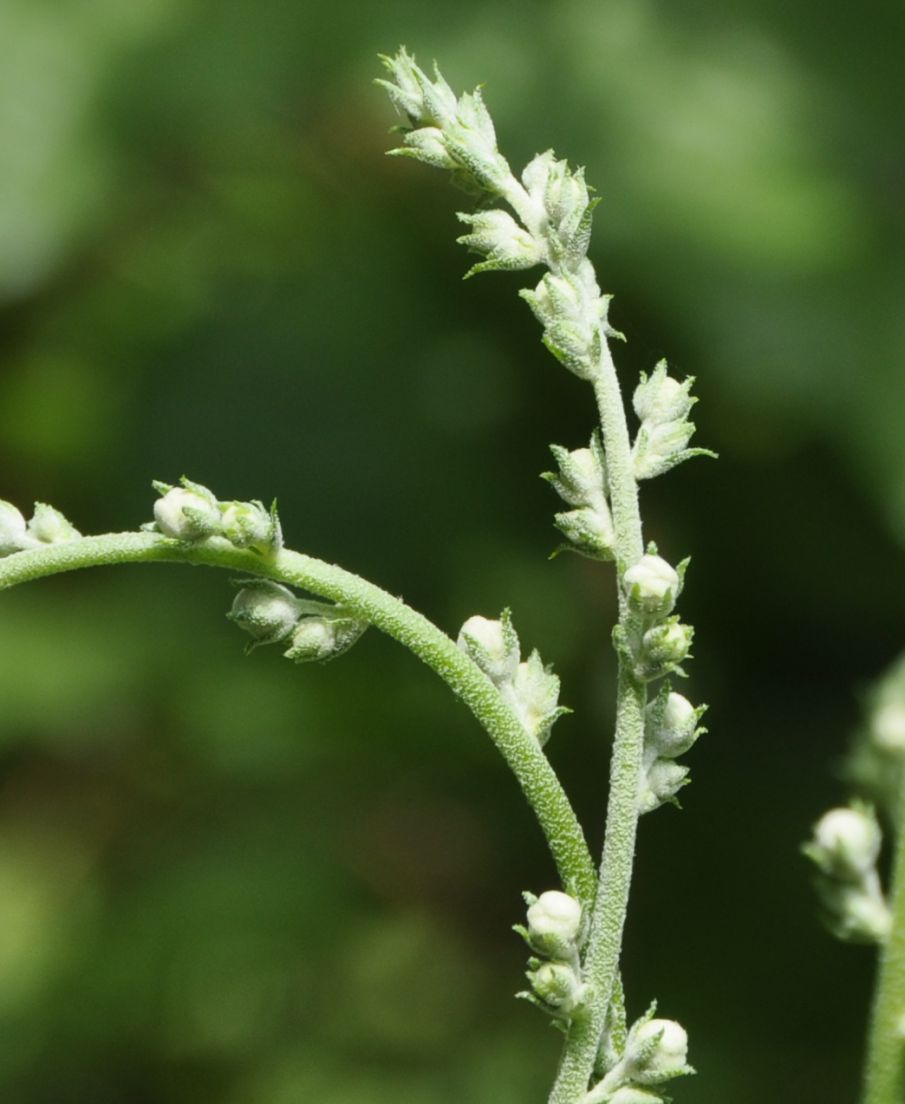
(231, 880)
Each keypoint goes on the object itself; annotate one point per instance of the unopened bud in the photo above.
(493, 645)
(267, 611)
(670, 725)
(554, 924)
(662, 782)
(49, 526)
(656, 1051)
(251, 525)
(186, 513)
(652, 585)
(664, 647)
(846, 843)
(558, 987)
(319, 637)
(13, 534)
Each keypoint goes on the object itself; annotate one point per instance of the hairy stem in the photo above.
(884, 1081)
(601, 958)
(521, 751)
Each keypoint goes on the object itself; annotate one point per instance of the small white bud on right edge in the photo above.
(493, 645)
(186, 513)
(13, 534)
(656, 1051)
(554, 924)
(652, 585)
(846, 843)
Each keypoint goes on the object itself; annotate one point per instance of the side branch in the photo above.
(391, 615)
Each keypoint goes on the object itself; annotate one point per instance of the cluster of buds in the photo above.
(582, 482)
(46, 526)
(561, 204)
(658, 643)
(555, 931)
(191, 513)
(313, 631)
(573, 312)
(653, 1052)
(530, 687)
(845, 847)
(663, 405)
(670, 729)
(445, 131)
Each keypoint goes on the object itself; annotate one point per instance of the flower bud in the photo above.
(664, 647)
(656, 1051)
(323, 636)
(186, 513)
(13, 534)
(554, 924)
(559, 987)
(659, 398)
(267, 611)
(251, 525)
(493, 645)
(534, 693)
(662, 782)
(670, 725)
(505, 244)
(49, 526)
(652, 585)
(846, 843)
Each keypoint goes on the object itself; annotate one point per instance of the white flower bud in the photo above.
(846, 843)
(323, 636)
(267, 611)
(670, 725)
(186, 513)
(554, 924)
(655, 1051)
(664, 647)
(49, 526)
(251, 525)
(662, 782)
(534, 693)
(13, 534)
(493, 645)
(504, 243)
(558, 986)
(660, 398)
(652, 585)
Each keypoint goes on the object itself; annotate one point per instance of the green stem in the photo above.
(884, 1081)
(523, 754)
(601, 957)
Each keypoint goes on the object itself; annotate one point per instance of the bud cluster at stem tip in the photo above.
(46, 526)
(530, 687)
(190, 512)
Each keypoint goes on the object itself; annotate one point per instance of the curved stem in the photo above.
(601, 957)
(884, 1081)
(523, 754)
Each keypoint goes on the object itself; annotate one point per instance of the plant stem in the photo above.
(521, 751)
(601, 957)
(884, 1081)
